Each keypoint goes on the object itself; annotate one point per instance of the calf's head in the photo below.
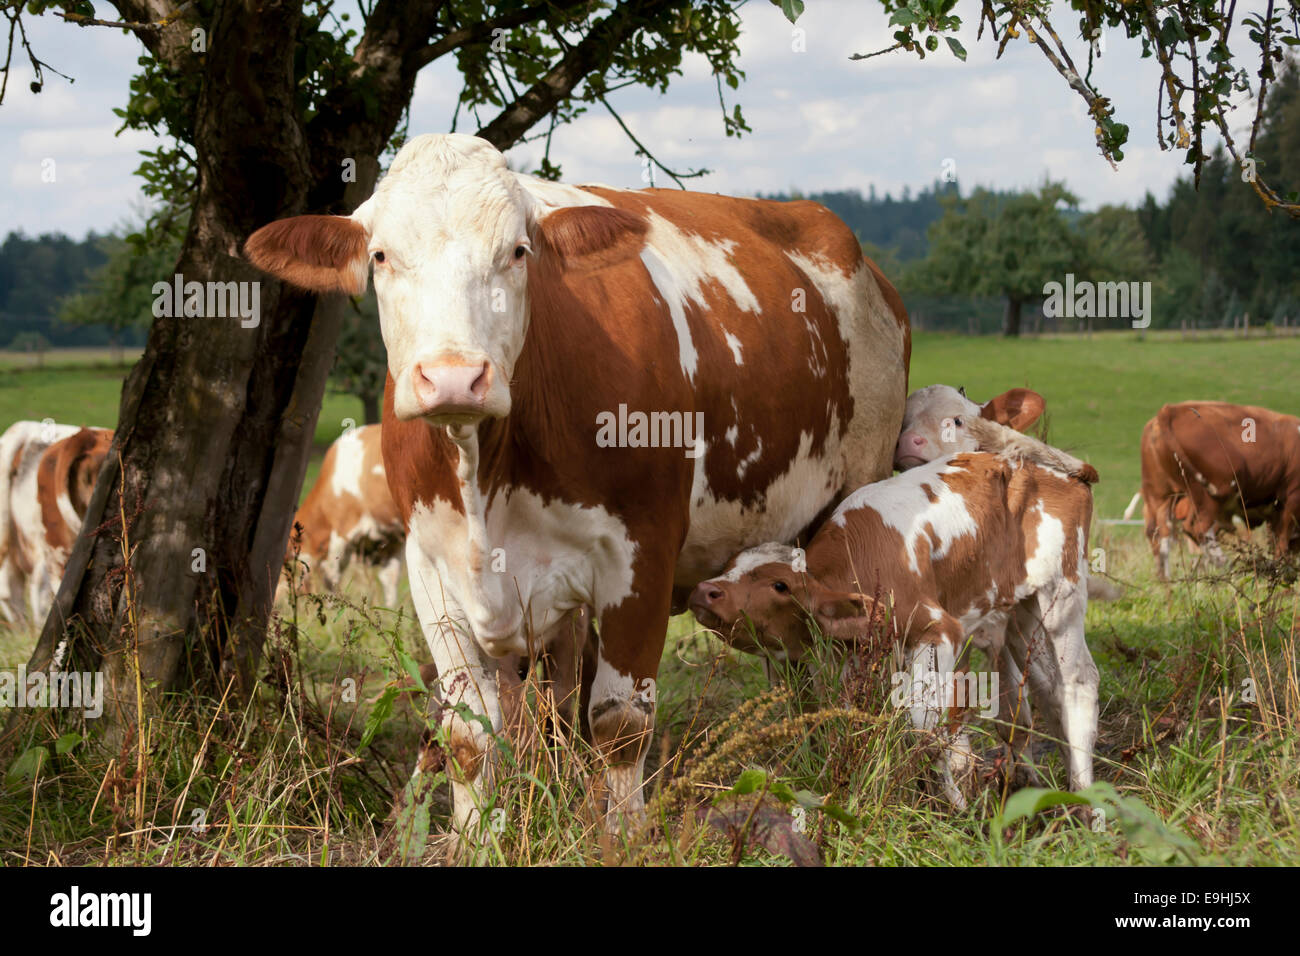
(452, 236)
(761, 604)
(933, 421)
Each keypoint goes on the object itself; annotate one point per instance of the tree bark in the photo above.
(371, 405)
(1011, 320)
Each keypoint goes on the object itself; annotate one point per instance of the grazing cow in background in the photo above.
(1205, 462)
(47, 474)
(595, 397)
(350, 514)
(974, 548)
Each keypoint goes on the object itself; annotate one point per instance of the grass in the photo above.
(1198, 739)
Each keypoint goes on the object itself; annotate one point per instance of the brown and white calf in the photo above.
(1205, 462)
(47, 474)
(595, 397)
(350, 514)
(971, 549)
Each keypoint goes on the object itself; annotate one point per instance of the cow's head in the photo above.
(453, 237)
(933, 421)
(760, 603)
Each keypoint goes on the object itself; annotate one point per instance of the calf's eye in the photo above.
(379, 255)
(957, 422)
(780, 587)
(520, 252)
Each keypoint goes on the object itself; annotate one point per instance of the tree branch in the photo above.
(588, 56)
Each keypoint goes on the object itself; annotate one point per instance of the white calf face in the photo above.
(934, 421)
(447, 232)
(933, 426)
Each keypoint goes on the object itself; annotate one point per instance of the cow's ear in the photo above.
(845, 617)
(1018, 408)
(316, 253)
(590, 237)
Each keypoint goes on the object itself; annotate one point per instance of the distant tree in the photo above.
(361, 362)
(31, 342)
(1007, 246)
(119, 294)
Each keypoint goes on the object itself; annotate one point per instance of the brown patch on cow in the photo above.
(317, 253)
(466, 753)
(69, 467)
(419, 461)
(324, 511)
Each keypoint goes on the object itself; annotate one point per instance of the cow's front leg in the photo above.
(467, 679)
(621, 713)
(390, 576)
(933, 704)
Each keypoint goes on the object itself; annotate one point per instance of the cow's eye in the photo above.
(780, 587)
(957, 422)
(521, 251)
(379, 255)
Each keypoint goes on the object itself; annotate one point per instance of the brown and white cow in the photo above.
(47, 474)
(1205, 462)
(971, 549)
(350, 514)
(545, 343)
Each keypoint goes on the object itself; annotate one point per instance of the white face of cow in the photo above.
(450, 232)
(447, 231)
(935, 416)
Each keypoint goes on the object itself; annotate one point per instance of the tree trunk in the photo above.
(216, 420)
(1011, 319)
(372, 407)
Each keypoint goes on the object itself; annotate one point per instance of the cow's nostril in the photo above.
(479, 387)
(713, 594)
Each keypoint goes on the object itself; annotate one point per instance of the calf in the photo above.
(349, 513)
(972, 549)
(1205, 462)
(935, 421)
(47, 474)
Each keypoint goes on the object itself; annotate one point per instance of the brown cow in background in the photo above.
(1204, 462)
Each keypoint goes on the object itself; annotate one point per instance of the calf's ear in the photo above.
(316, 253)
(843, 616)
(583, 238)
(1018, 408)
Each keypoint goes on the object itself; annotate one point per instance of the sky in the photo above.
(820, 120)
